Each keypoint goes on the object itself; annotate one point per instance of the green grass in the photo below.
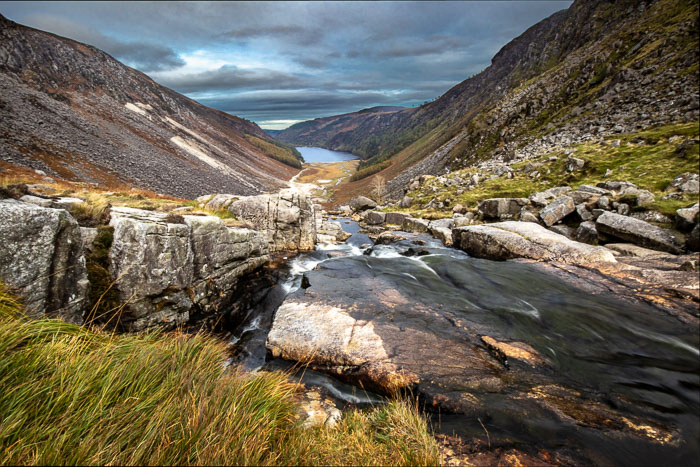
(70, 395)
(278, 151)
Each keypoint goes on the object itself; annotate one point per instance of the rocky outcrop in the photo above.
(638, 232)
(166, 267)
(41, 258)
(509, 240)
(362, 203)
(502, 208)
(286, 219)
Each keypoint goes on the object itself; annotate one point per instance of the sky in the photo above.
(278, 63)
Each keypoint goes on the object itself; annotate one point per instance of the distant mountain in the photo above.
(341, 132)
(595, 69)
(75, 112)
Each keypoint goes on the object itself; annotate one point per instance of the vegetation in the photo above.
(70, 395)
(369, 170)
(279, 151)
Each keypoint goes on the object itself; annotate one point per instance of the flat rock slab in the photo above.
(510, 240)
(638, 232)
(362, 328)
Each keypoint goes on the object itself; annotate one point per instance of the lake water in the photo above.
(312, 154)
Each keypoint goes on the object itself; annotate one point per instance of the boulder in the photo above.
(583, 213)
(508, 240)
(406, 202)
(395, 218)
(220, 201)
(636, 197)
(88, 235)
(442, 230)
(686, 183)
(692, 243)
(165, 268)
(573, 163)
(411, 224)
(652, 216)
(502, 208)
(41, 259)
(332, 229)
(557, 210)
(543, 198)
(526, 215)
(66, 203)
(459, 209)
(565, 230)
(375, 218)
(638, 232)
(362, 203)
(616, 186)
(286, 219)
(587, 233)
(687, 218)
(603, 203)
(386, 238)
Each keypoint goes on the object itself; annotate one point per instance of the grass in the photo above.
(278, 151)
(71, 395)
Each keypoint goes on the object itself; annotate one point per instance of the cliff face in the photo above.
(74, 112)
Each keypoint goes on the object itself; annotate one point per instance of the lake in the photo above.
(313, 154)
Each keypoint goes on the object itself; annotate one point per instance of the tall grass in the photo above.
(70, 395)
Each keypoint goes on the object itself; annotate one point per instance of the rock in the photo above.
(502, 208)
(686, 183)
(515, 350)
(386, 238)
(565, 230)
(636, 197)
(41, 259)
(584, 214)
(395, 218)
(286, 219)
(604, 203)
(459, 209)
(692, 243)
(219, 201)
(638, 232)
(528, 216)
(543, 198)
(508, 240)
(345, 210)
(622, 208)
(411, 224)
(573, 163)
(375, 217)
(687, 218)
(651, 216)
(316, 410)
(362, 203)
(630, 249)
(326, 239)
(88, 235)
(43, 202)
(406, 202)
(165, 270)
(587, 233)
(557, 210)
(616, 186)
(442, 230)
(332, 229)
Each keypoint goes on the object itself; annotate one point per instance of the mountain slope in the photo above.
(596, 69)
(74, 112)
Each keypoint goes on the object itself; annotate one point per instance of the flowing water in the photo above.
(636, 360)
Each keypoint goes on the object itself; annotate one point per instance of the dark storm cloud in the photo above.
(294, 60)
(141, 55)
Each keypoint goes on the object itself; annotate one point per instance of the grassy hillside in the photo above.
(70, 395)
(278, 151)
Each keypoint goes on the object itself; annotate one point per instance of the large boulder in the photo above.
(638, 232)
(442, 230)
(375, 218)
(411, 224)
(502, 208)
(41, 259)
(543, 198)
(686, 183)
(557, 210)
(362, 203)
(687, 218)
(165, 267)
(286, 219)
(509, 240)
(395, 218)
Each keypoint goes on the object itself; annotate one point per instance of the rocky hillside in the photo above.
(72, 111)
(594, 70)
(345, 132)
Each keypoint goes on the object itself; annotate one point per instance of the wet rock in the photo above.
(508, 240)
(41, 259)
(375, 217)
(442, 230)
(638, 232)
(411, 224)
(163, 271)
(406, 202)
(543, 198)
(587, 233)
(687, 218)
(502, 208)
(286, 219)
(557, 210)
(386, 238)
(331, 229)
(514, 350)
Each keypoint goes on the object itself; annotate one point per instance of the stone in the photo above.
(375, 217)
(686, 183)
(543, 198)
(509, 240)
(42, 260)
(630, 249)
(557, 210)
(638, 232)
(459, 209)
(220, 201)
(573, 163)
(528, 216)
(88, 235)
(584, 214)
(652, 216)
(442, 230)
(326, 239)
(502, 208)
(615, 185)
(604, 203)
(406, 202)
(692, 243)
(636, 197)
(395, 218)
(345, 210)
(565, 230)
(164, 270)
(587, 233)
(286, 219)
(386, 238)
(623, 208)
(411, 224)
(362, 203)
(687, 218)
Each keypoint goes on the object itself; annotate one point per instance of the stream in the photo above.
(628, 358)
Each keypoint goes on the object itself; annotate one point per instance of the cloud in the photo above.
(230, 77)
(141, 55)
